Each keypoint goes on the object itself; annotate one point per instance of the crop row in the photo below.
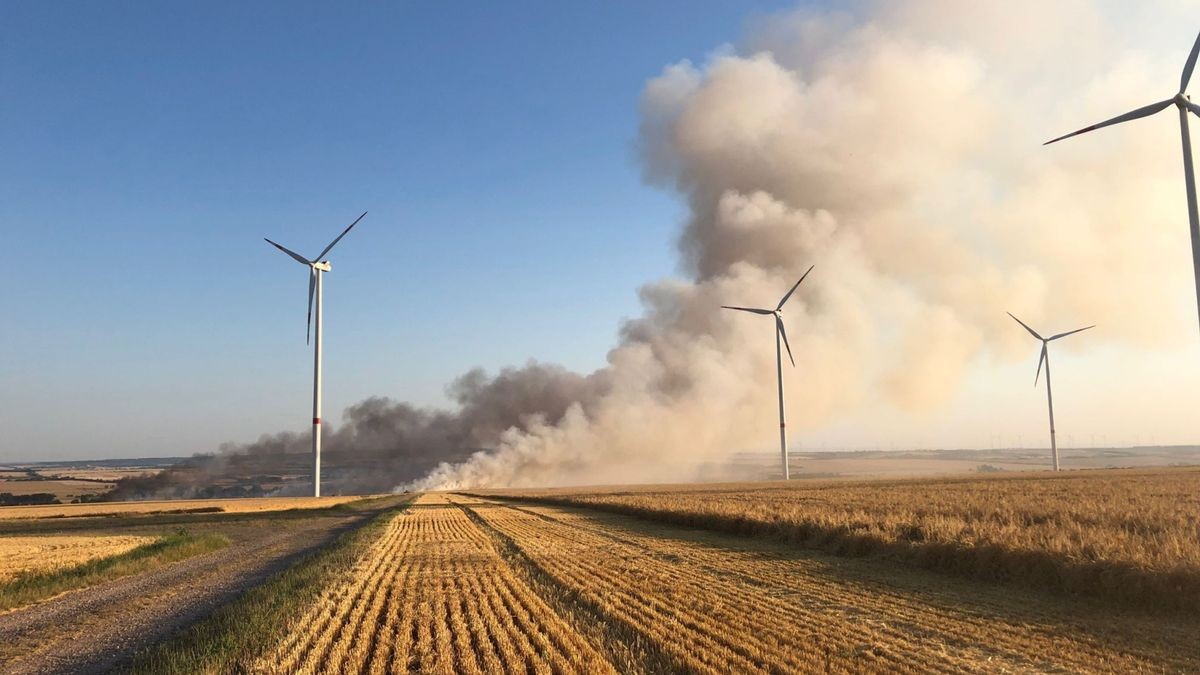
(432, 595)
(1129, 536)
(717, 609)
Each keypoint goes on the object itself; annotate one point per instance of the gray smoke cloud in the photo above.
(379, 442)
(896, 146)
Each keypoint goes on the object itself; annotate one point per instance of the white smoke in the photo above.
(897, 147)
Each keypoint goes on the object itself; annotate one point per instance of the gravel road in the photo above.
(96, 629)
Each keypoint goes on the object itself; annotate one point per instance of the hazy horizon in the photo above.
(521, 214)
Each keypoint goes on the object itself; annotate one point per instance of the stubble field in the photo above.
(469, 584)
(1131, 536)
(947, 575)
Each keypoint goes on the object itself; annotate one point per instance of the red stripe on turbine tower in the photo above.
(316, 420)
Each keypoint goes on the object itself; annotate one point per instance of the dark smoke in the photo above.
(380, 443)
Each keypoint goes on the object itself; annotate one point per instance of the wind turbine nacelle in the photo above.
(323, 266)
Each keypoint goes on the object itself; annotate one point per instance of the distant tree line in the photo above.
(9, 499)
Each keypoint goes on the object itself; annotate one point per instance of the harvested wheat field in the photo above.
(1131, 536)
(464, 584)
(44, 553)
(432, 595)
(61, 488)
(241, 505)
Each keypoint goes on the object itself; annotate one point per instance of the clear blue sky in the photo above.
(148, 147)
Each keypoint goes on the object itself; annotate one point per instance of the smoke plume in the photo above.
(897, 147)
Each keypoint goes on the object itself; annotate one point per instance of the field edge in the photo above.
(29, 588)
(235, 634)
(1112, 582)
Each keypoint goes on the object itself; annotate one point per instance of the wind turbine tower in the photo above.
(1045, 358)
(780, 334)
(317, 267)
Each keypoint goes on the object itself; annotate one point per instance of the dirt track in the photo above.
(95, 629)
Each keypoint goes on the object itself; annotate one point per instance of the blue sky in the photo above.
(148, 148)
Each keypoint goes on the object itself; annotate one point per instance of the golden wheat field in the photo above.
(432, 595)
(242, 505)
(20, 554)
(462, 584)
(1133, 535)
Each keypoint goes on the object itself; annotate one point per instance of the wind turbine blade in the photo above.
(1193, 107)
(748, 309)
(1070, 332)
(1031, 331)
(1191, 64)
(1131, 115)
(789, 293)
(339, 237)
(1040, 360)
(783, 334)
(299, 258)
(312, 285)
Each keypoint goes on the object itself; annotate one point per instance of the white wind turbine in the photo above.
(317, 267)
(1184, 104)
(780, 333)
(1045, 357)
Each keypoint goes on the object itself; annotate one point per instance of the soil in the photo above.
(96, 629)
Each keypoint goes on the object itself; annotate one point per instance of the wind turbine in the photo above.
(1045, 357)
(317, 267)
(1184, 104)
(779, 333)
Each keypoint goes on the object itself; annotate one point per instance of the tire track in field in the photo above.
(691, 640)
(432, 594)
(620, 642)
(745, 607)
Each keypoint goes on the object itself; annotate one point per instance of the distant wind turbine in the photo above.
(779, 333)
(1184, 104)
(317, 267)
(1045, 357)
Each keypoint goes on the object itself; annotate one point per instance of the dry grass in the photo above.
(1131, 535)
(431, 595)
(247, 505)
(234, 636)
(19, 555)
(720, 604)
(36, 585)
